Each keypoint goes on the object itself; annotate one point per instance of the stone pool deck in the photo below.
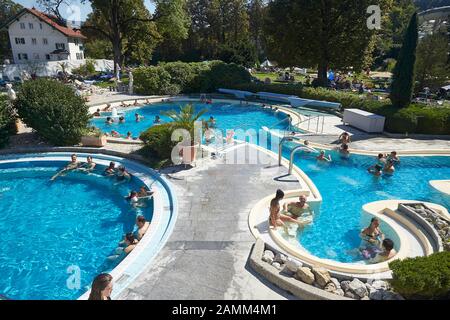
(207, 255)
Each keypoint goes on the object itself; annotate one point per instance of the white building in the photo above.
(39, 37)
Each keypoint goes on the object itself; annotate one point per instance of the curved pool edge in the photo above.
(163, 221)
(442, 186)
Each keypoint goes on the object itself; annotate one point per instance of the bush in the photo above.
(154, 81)
(7, 121)
(158, 139)
(53, 110)
(422, 277)
(176, 77)
(87, 69)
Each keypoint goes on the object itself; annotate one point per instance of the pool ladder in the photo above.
(293, 152)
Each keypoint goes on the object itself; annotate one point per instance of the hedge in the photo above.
(413, 119)
(158, 140)
(7, 121)
(422, 277)
(54, 110)
(180, 77)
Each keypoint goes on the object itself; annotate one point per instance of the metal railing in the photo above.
(320, 119)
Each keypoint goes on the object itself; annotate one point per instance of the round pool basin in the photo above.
(58, 235)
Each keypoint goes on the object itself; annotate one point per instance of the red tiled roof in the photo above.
(50, 20)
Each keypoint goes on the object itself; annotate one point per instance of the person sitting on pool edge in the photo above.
(111, 170)
(276, 218)
(142, 227)
(323, 157)
(387, 253)
(73, 165)
(297, 208)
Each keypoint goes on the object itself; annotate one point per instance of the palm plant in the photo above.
(185, 118)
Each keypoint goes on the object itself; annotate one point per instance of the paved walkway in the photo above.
(206, 256)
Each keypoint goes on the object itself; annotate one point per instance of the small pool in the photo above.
(228, 116)
(346, 186)
(49, 229)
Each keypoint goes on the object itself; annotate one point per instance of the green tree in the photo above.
(432, 67)
(7, 121)
(327, 34)
(403, 75)
(127, 25)
(95, 48)
(8, 9)
(256, 14)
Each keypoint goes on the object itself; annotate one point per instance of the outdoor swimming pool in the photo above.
(346, 186)
(47, 227)
(228, 116)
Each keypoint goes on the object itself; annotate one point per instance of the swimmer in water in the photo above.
(144, 193)
(276, 218)
(157, 120)
(323, 157)
(111, 170)
(142, 225)
(73, 165)
(89, 166)
(344, 150)
(123, 175)
(389, 167)
(122, 119)
(109, 120)
(138, 117)
(97, 113)
(388, 252)
(376, 170)
(297, 209)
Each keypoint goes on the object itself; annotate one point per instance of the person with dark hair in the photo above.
(376, 170)
(109, 120)
(389, 167)
(142, 225)
(97, 113)
(276, 218)
(73, 165)
(122, 119)
(388, 252)
(123, 175)
(344, 150)
(130, 243)
(373, 235)
(89, 165)
(101, 287)
(111, 170)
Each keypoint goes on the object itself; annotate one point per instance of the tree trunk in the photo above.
(116, 41)
(322, 74)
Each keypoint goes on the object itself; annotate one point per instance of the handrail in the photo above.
(280, 147)
(291, 160)
(280, 122)
(308, 120)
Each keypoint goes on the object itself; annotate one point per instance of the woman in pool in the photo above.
(212, 121)
(144, 192)
(376, 170)
(323, 157)
(101, 287)
(115, 134)
(138, 117)
(111, 170)
(381, 159)
(122, 119)
(133, 198)
(157, 120)
(276, 218)
(344, 151)
(130, 243)
(372, 235)
(143, 226)
(344, 138)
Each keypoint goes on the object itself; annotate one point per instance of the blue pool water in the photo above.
(46, 227)
(228, 116)
(346, 186)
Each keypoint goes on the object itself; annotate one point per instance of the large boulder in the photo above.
(322, 276)
(336, 283)
(268, 256)
(345, 285)
(304, 274)
(358, 287)
(277, 265)
(293, 265)
(351, 295)
(280, 258)
(339, 292)
(380, 284)
(330, 287)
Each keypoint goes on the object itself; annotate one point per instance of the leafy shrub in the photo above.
(422, 277)
(86, 69)
(7, 121)
(158, 139)
(154, 81)
(53, 110)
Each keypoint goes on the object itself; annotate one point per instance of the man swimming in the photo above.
(89, 165)
(123, 175)
(376, 170)
(389, 167)
(73, 165)
(138, 117)
(297, 208)
(111, 170)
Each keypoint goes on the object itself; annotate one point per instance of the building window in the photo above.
(23, 56)
(20, 40)
(60, 46)
(40, 26)
(45, 41)
(22, 25)
(79, 55)
(36, 56)
(47, 56)
(31, 26)
(76, 41)
(33, 41)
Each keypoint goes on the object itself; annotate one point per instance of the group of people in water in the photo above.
(374, 248)
(385, 164)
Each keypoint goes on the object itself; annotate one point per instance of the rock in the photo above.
(345, 285)
(379, 284)
(350, 295)
(322, 276)
(358, 287)
(267, 258)
(280, 258)
(365, 298)
(269, 253)
(339, 292)
(369, 288)
(389, 295)
(336, 283)
(330, 287)
(293, 265)
(276, 265)
(377, 295)
(304, 274)
(441, 224)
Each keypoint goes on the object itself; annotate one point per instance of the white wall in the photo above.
(53, 36)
